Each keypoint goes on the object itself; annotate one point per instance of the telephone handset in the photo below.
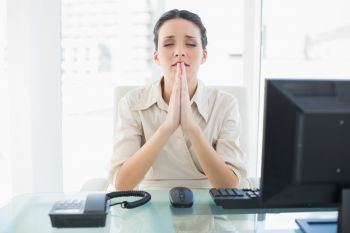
(91, 212)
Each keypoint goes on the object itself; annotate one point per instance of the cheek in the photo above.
(164, 57)
(196, 56)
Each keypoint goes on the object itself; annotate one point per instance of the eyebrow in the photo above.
(187, 36)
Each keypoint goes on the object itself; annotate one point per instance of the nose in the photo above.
(179, 53)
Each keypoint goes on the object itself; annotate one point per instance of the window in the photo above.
(104, 44)
(309, 39)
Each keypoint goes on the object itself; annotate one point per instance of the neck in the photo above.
(167, 87)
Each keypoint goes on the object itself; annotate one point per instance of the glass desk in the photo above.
(29, 213)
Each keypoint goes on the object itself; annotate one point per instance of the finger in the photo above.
(178, 70)
(177, 85)
(176, 80)
(183, 70)
(177, 95)
(177, 75)
(184, 85)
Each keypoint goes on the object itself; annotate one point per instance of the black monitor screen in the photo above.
(306, 142)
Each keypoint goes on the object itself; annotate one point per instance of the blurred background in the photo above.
(60, 61)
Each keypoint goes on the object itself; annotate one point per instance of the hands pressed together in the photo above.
(179, 111)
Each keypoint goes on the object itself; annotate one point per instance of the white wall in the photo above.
(34, 60)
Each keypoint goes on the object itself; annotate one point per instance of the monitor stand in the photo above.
(330, 225)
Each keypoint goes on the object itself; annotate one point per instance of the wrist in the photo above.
(165, 131)
(193, 131)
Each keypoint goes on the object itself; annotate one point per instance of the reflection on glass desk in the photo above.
(29, 213)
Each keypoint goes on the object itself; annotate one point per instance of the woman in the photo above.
(176, 131)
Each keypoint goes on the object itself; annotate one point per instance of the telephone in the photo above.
(93, 211)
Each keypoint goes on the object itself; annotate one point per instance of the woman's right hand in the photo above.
(172, 121)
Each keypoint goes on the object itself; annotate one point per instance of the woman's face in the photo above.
(179, 40)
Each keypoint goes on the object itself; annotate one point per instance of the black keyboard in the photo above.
(236, 198)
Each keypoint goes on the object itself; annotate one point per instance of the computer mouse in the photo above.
(181, 197)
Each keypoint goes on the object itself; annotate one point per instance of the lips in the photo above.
(179, 62)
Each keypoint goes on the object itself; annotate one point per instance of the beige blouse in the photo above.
(143, 110)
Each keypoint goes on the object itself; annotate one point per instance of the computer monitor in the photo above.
(306, 144)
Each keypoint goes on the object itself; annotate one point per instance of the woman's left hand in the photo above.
(188, 123)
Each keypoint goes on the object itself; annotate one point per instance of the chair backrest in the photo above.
(238, 91)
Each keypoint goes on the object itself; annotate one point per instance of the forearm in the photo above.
(214, 167)
(134, 169)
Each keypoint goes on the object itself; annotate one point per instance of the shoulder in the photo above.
(138, 98)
